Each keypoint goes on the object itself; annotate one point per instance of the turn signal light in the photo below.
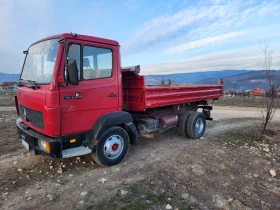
(73, 140)
(48, 148)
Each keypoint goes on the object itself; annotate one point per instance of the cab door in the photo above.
(97, 92)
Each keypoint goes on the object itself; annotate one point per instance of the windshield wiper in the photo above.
(34, 86)
(19, 84)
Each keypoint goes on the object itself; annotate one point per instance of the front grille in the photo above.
(36, 118)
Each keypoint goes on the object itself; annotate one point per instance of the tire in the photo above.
(183, 123)
(196, 125)
(112, 147)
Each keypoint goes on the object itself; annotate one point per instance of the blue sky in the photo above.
(162, 36)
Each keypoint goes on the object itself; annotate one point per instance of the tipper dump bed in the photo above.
(138, 97)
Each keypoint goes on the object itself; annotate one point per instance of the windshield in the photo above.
(39, 62)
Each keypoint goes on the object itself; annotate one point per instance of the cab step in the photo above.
(77, 151)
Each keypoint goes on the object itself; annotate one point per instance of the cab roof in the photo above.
(81, 37)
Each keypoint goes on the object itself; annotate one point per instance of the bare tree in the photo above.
(269, 104)
(169, 82)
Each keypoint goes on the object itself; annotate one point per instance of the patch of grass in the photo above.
(241, 135)
(268, 145)
(144, 195)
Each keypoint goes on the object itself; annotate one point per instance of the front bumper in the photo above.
(31, 138)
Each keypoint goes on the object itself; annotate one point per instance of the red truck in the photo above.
(75, 99)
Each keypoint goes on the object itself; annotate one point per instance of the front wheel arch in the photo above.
(122, 119)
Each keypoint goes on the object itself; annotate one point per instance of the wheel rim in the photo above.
(199, 125)
(113, 146)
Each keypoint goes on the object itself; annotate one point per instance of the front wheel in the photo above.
(196, 125)
(112, 147)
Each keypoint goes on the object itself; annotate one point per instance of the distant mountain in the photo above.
(244, 81)
(191, 78)
(8, 77)
(233, 79)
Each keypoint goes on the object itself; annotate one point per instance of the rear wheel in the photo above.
(196, 125)
(112, 147)
(183, 123)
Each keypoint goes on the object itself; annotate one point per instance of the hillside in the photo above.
(233, 79)
(191, 78)
(244, 81)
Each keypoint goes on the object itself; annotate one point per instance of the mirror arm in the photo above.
(64, 83)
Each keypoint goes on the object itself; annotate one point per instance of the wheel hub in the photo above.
(113, 146)
(199, 125)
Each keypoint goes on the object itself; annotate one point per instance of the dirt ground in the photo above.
(7, 99)
(226, 169)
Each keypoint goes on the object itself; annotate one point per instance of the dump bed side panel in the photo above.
(163, 96)
(138, 97)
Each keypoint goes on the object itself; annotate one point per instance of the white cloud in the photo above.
(198, 24)
(248, 58)
(162, 27)
(203, 42)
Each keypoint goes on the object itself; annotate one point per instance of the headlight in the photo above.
(44, 145)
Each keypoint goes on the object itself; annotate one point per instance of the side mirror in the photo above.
(72, 71)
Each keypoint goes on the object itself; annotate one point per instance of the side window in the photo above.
(97, 62)
(74, 52)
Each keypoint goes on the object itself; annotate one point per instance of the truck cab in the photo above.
(56, 115)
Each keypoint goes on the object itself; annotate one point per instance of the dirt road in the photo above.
(221, 112)
(224, 170)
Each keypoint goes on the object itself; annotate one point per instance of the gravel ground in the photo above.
(226, 169)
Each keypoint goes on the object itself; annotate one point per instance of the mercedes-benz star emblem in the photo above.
(24, 114)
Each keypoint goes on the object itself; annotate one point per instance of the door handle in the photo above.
(112, 95)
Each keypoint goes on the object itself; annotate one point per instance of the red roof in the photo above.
(82, 37)
(5, 84)
(257, 92)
